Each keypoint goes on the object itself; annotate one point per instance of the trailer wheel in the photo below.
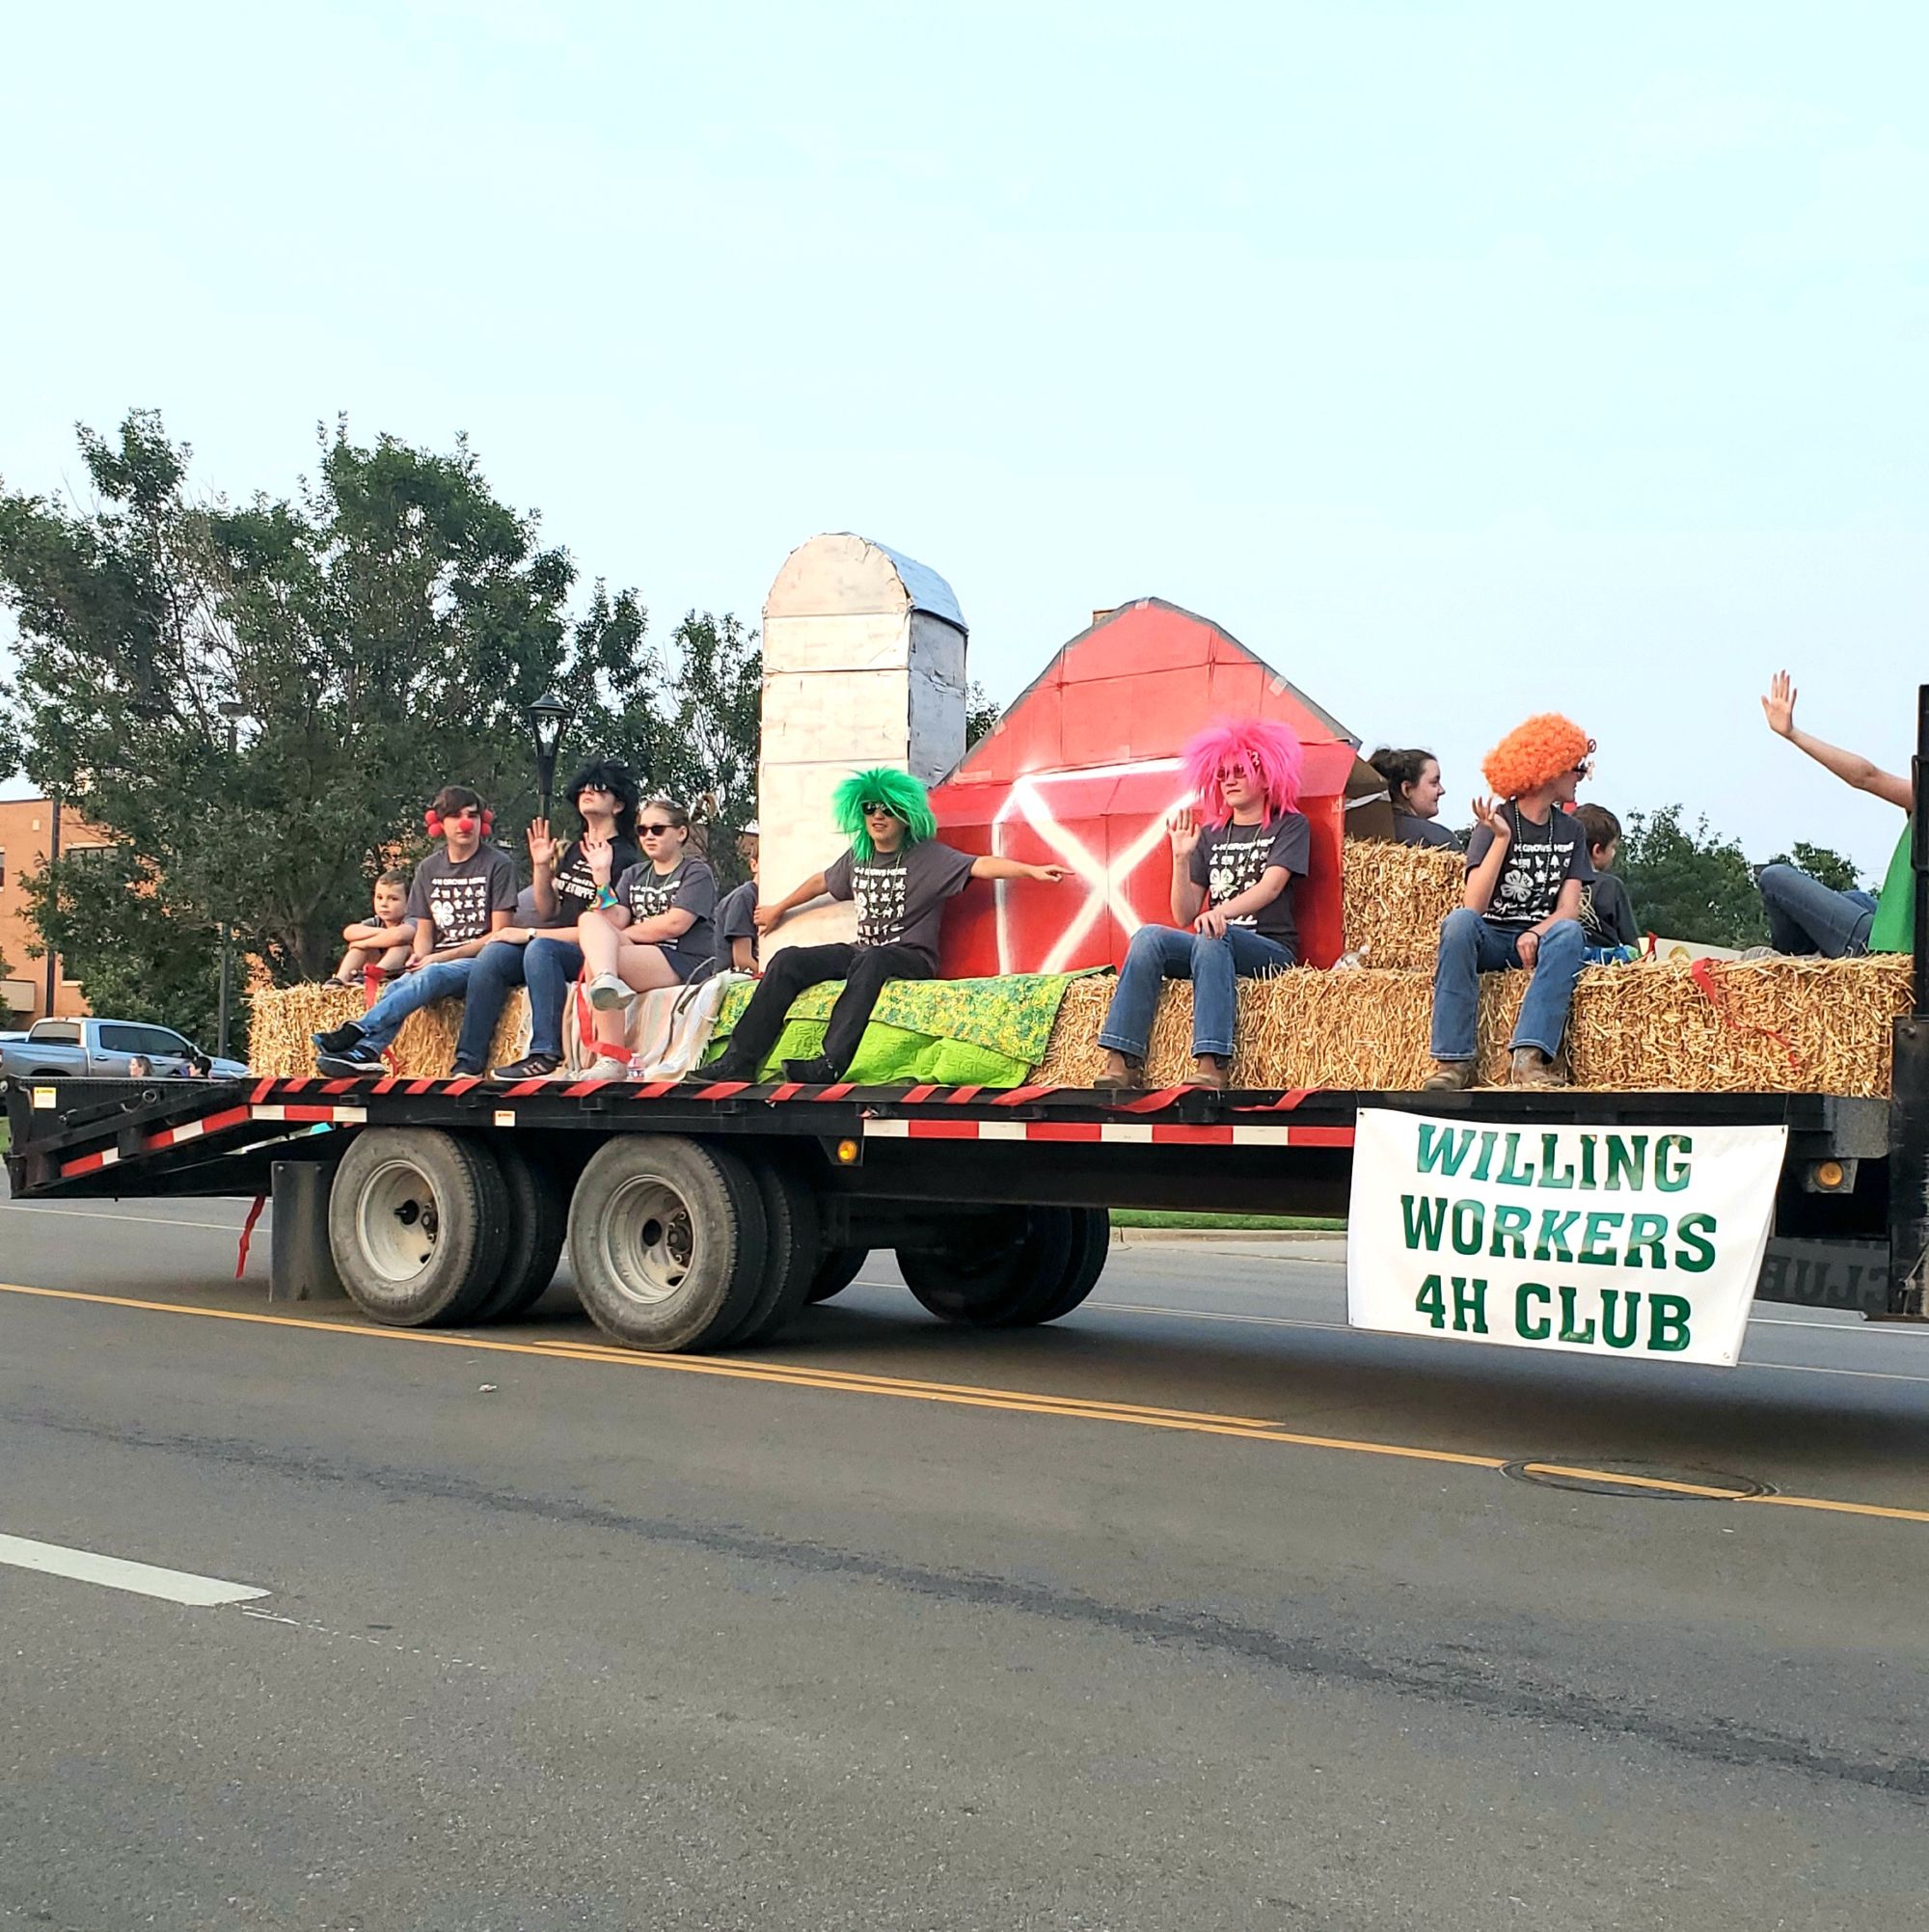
(666, 1242)
(997, 1274)
(835, 1272)
(416, 1225)
(1091, 1248)
(792, 1250)
(537, 1207)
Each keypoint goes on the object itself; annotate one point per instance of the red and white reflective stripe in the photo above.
(1141, 1134)
(193, 1130)
(335, 1116)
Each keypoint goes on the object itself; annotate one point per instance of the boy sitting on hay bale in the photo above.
(461, 895)
(1232, 899)
(1526, 868)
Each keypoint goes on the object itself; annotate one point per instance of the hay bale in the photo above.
(1394, 899)
(1633, 1028)
(285, 1015)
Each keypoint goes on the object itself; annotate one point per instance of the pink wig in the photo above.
(1270, 753)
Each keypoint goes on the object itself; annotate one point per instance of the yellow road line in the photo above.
(1077, 1408)
(1667, 1488)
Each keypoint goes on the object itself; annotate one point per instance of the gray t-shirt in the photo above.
(691, 887)
(1539, 861)
(1410, 829)
(1607, 914)
(459, 897)
(734, 920)
(1232, 858)
(900, 898)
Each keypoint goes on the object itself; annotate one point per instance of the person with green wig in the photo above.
(899, 874)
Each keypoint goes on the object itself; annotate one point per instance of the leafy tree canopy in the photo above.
(379, 633)
(1688, 883)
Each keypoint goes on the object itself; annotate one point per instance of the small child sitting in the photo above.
(382, 941)
(1607, 912)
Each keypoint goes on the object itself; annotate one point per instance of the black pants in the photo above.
(864, 970)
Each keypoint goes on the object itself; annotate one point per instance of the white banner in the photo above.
(1632, 1241)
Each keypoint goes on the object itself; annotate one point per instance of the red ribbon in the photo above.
(1702, 973)
(248, 1234)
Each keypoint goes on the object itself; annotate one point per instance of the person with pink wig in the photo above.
(1528, 865)
(1234, 860)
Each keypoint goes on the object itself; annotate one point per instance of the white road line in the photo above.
(126, 1220)
(145, 1579)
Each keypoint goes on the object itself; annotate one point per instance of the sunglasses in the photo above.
(874, 809)
(601, 791)
(657, 831)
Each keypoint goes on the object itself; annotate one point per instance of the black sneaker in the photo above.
(532, 1067)
(352, 1062)
(817, 1073)
(719, 1069)
(338, 1039)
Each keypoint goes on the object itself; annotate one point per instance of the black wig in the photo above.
(612, 775)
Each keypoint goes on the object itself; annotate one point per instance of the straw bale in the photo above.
(1394, 899)
(285, 1015)
(1633, 1028)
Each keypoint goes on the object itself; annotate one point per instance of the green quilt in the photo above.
(951, 1032)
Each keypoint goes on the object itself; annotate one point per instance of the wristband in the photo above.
(606, 899)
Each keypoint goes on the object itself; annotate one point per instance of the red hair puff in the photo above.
(1536, 753)
(432, 819)
(1271, 753)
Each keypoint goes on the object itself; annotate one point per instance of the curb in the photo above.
(1234, 1236)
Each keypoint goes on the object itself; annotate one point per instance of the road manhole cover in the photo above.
(1644, 1481)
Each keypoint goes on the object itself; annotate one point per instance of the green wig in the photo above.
(881, 783)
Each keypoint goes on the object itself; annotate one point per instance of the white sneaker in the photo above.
(605, 991)
(606, 1068)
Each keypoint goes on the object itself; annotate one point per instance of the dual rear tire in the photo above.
(1027, 1265)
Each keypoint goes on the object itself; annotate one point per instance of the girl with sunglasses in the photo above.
(543, 954)
(1234, 861)
(654, 927)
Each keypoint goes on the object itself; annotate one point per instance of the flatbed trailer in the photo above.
(701, 1216)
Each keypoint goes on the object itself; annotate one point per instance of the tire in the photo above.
(536, 1202)
(793, 1251)
(1091, 1248)
(418, 1226)
(1001, 1274)
(835, 1272)
(666, 1242)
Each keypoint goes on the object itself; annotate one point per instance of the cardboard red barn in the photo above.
(1083, 770)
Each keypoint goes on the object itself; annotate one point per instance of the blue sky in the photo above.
(1464, 360)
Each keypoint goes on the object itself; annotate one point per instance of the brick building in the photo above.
(26, 830)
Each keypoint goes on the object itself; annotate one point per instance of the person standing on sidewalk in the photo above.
(1805, 915)
(1526, 868)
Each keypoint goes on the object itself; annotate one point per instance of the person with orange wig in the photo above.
(1526, 866)
(1234, 856)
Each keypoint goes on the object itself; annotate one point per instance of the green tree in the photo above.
(1822, 863)
(1687, 882)
(982, 711)
(382, 632)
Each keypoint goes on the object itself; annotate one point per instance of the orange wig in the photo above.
(1536, 753)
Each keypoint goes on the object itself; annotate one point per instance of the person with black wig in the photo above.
(544, 955)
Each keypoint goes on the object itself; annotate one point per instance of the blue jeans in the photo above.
(1469, 946)
(1159, 953)
(1807, 917)
(441, 979)
(548, 968)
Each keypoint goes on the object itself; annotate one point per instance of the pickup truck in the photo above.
(99, 1049)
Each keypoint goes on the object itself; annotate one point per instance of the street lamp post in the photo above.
(549, 717)
(234, 710)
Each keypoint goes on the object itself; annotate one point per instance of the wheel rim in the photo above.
(398, 1221)
(650, 1241)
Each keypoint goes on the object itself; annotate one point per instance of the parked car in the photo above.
(51, 1049)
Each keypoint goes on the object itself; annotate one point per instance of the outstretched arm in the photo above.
(1012, 868)
(1851, 766)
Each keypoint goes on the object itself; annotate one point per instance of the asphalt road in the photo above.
(1134, 1622)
